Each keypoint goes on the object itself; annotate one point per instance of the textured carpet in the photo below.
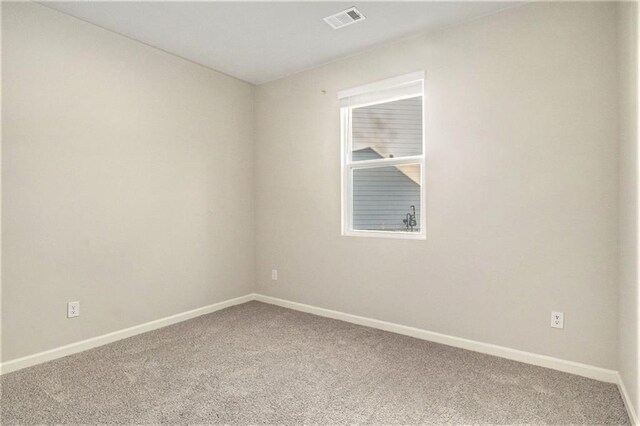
(261, 364)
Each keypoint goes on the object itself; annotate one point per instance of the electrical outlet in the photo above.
(274, 274)
(73, 309)
(557, 319)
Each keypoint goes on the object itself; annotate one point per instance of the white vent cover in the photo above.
(344, 18)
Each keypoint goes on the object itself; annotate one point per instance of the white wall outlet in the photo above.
(557, 319)
(73, 309)
(274, 274)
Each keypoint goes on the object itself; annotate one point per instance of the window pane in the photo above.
(387, 198)
(387, 130)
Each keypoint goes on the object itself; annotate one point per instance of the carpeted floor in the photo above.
(261, 364)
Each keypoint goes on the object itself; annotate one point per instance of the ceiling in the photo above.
(263, 41)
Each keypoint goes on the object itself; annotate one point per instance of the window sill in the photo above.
(386, 234)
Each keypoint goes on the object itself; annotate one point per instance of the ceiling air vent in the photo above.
(344, 18)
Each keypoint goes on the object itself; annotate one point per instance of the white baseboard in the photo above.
(627, 402)
(580, 369)
(40, 357)
(585, 370)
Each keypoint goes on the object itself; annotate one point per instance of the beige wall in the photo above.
(628, 356)
(521, 190)
(127, 182)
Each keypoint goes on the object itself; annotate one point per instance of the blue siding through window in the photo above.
(382, 196)
(390, 129)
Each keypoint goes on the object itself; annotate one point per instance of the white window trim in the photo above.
(347, 165)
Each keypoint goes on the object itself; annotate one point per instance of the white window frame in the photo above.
(373, 91)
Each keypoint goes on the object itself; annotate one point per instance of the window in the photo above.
(383, 160)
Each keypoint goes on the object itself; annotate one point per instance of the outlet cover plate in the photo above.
(557, 319)
(73, 309)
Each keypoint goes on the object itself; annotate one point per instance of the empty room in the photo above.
(319, 213)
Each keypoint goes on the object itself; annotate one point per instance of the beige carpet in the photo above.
(261, 364)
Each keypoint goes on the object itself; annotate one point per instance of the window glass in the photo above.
(387, 130)
(387, 198)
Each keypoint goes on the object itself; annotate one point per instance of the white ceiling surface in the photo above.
(263, 41)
